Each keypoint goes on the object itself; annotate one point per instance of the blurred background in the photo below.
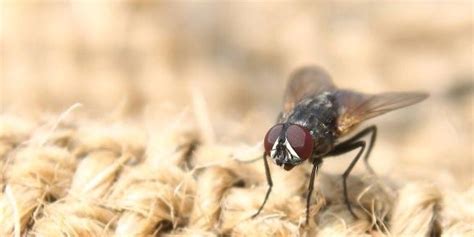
(131, 59)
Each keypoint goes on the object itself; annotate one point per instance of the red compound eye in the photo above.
(271, 137)
(301, 140)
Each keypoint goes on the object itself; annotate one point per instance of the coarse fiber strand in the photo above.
(75, 176)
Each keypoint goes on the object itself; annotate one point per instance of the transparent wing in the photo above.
(304, 82)
(355, 108)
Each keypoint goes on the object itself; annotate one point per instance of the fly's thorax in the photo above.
(318, 114)
(324, 138)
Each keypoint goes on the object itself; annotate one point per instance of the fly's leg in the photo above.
(270, 185)
(311, 186)
(372, 130)
(344, 148)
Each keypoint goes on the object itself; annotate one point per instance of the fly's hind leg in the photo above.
(344, 148)
(372, 130)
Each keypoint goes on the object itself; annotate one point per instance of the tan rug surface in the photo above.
(144, 119)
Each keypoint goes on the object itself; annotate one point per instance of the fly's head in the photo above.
(288, 144)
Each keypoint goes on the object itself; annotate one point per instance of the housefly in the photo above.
(316, 115)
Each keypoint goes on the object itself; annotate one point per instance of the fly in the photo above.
(315, 115)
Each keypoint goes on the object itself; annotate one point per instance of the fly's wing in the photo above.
(304, 82)
(355, 108)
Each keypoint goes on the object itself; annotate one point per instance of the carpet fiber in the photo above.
(146, 118)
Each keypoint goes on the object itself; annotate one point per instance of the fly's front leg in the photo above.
(344, 148)
(316, 164)
(270, 184)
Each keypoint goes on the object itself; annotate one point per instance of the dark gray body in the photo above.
(319, 115)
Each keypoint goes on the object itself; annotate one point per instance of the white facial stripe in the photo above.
(272, 152)
(290, 149)
(291, 155)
